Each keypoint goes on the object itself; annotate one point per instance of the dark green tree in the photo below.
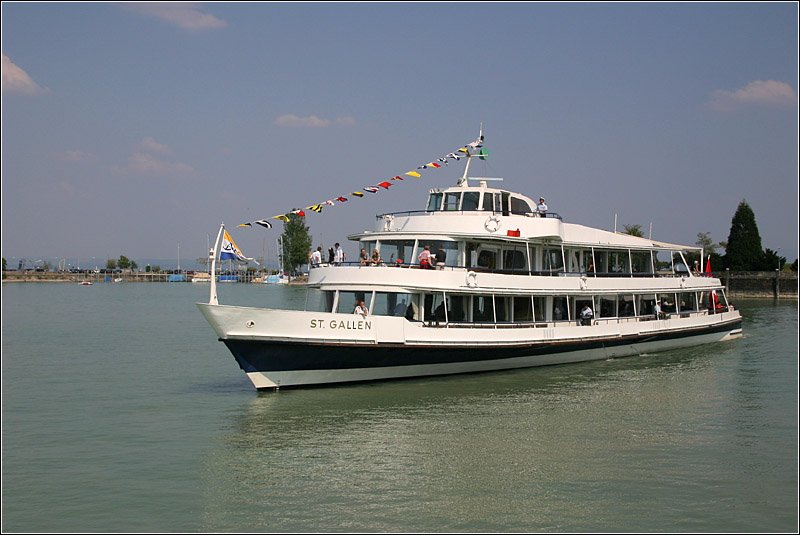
(111, 264)
(772, 260)
(123, 262)
(633, 230)
(743, 251)
(296, 243)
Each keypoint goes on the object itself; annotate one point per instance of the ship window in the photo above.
(518, 206)
(393, 251)
(680, 266)
(625, 306)
(482, 309)
(450, 251)
(390, 304)
(488, 202)
(539, 308)
(513, 259)
(327, 305)
(618, 262)
(646, 303)
(560, 309)
(470, 201)
(608, 306)
(522, 309)
(434, 202)
(667, 302)
(552, 259)
(457, 306)
(687, 302)
(502, 308)
(641, 262)
(435, 307)
(348, 300)
(487, 259)
(451, 201)
(663, 261)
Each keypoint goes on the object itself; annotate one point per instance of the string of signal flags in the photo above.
(383, 185)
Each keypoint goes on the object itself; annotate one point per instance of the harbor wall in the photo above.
(775, 284)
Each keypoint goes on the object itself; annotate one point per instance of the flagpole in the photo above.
(212, 298)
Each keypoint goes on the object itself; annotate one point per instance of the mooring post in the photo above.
(727, 280)
(776, 292)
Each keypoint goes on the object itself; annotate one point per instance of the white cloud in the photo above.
(142, 163)
(16, 80)
(312, 121)
(149, 144)
(184, 15)
(756, 93)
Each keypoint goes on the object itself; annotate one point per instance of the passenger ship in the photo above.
(505, 292)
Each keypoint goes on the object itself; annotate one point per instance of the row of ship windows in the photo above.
(469, 201)
(533, 258)
(463, 308)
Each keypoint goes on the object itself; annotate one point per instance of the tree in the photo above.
(772, 260)
(111, 264)
(744, 252)
(296, 243)
(124, 262)
(633, 230)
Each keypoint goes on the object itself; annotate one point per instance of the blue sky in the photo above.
(132, 129)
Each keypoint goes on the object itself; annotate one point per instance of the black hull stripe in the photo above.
(269, 356)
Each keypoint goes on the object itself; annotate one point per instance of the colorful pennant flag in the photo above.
(436, 164)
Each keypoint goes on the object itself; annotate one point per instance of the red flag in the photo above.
(708, 267)
(385, 184)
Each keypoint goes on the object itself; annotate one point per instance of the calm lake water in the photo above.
(122, 412)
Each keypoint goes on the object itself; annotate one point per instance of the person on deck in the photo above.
(541, 208)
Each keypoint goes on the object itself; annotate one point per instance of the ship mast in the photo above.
(470, 148)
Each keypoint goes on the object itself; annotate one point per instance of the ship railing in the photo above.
(548, 215)
(441, 323)
(557, 272)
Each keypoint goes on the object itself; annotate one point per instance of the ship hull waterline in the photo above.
(277, 361)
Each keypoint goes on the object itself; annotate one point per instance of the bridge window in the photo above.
(470, 201)
(518, 206)
(451, 201)
(434, 202)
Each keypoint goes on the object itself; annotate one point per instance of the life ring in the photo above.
(492, 224)
(472, 279)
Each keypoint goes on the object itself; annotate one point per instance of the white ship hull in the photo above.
(279, 348)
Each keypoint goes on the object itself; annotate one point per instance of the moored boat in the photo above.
(479, 280)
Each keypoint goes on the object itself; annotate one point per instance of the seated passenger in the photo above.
(363, 258)
(376, 258)
(361, 309)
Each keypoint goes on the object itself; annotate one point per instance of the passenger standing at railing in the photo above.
(541, 208)
(316, 257)
(425, 258)
(339, 255)
(441, 256)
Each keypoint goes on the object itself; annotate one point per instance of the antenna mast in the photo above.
(468, 149)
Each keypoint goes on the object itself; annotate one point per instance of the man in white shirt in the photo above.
(316, 257)
(338, 256)
(541, 208)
